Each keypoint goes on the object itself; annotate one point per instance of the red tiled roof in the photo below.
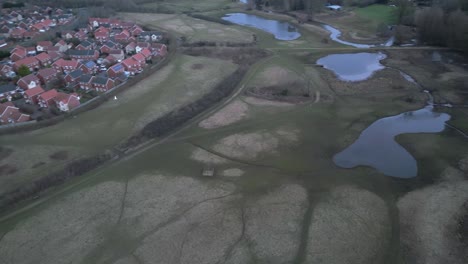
(26, 61)
(129, 62)
(45, 43)
(146, 52)
(49, 95)
(139, 57)
(34, 91)
(43, 56)
(46, 72)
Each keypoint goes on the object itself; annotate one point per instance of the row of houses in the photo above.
(27, 23)
(94, 63)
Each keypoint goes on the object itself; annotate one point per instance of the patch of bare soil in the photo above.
(349, 217)
(7, 169)
(251, 145)
(230, 114)
(232, 172)
(59, 155)
(429, 223)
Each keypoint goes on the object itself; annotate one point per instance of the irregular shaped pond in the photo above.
(335, 34)
(376, 146)
(353, 66)
(281, 30)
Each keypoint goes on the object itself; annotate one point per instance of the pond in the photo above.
(376, 146)
(335, 34)
(281, 30)
(353, 66)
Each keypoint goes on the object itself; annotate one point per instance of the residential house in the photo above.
(43, 45)
(66, 102)
(31, 51)
(136, 30)
(28, 82)
(85, 82)
(2, 42)
(118, 54)
(141, 45)
(18, 53)
(6, 71)
(115, 70)
(46, 75)
(130, 48)
(44, 59)
(39, 27)
(31, 62)
(10, 114)
(30, 34)
(101, 35)
(83, 54)
(86, 45)
(109, 60)
(140, 59)
(107, 46)
(68, 34)
(72, 78)
(81, 35)
(46, 99)
(102, 84)
(89, 67)
(65, 66)
(62, 46)
(31, 95)
(159, 49)
(122, 37)
(150, 36)
(131, 65)
(17, 33)
(146, 53)
(55, 55)
(7, 90)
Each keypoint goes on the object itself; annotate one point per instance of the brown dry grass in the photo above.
(230, 114)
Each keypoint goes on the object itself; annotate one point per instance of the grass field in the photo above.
(359, 24)
(377, 14)
(191, 28)
(115, 120)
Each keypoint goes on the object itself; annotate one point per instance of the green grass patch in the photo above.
(377, 13)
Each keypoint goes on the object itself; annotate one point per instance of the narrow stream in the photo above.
(336, 33)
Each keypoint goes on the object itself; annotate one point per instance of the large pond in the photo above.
(376, 146)
(335, 35)
(353, 66)
(281, 30)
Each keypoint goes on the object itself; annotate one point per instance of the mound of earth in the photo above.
(230, 114)
(350, 226)
(429, 220)
(251, 145)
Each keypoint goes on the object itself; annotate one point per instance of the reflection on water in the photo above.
(376, 146)
(353, 66)
(281, 30)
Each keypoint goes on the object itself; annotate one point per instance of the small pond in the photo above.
(281, 30)
(335, 35)
(353, 66)
(376, 146)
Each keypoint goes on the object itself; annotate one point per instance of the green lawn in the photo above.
(377, 13)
